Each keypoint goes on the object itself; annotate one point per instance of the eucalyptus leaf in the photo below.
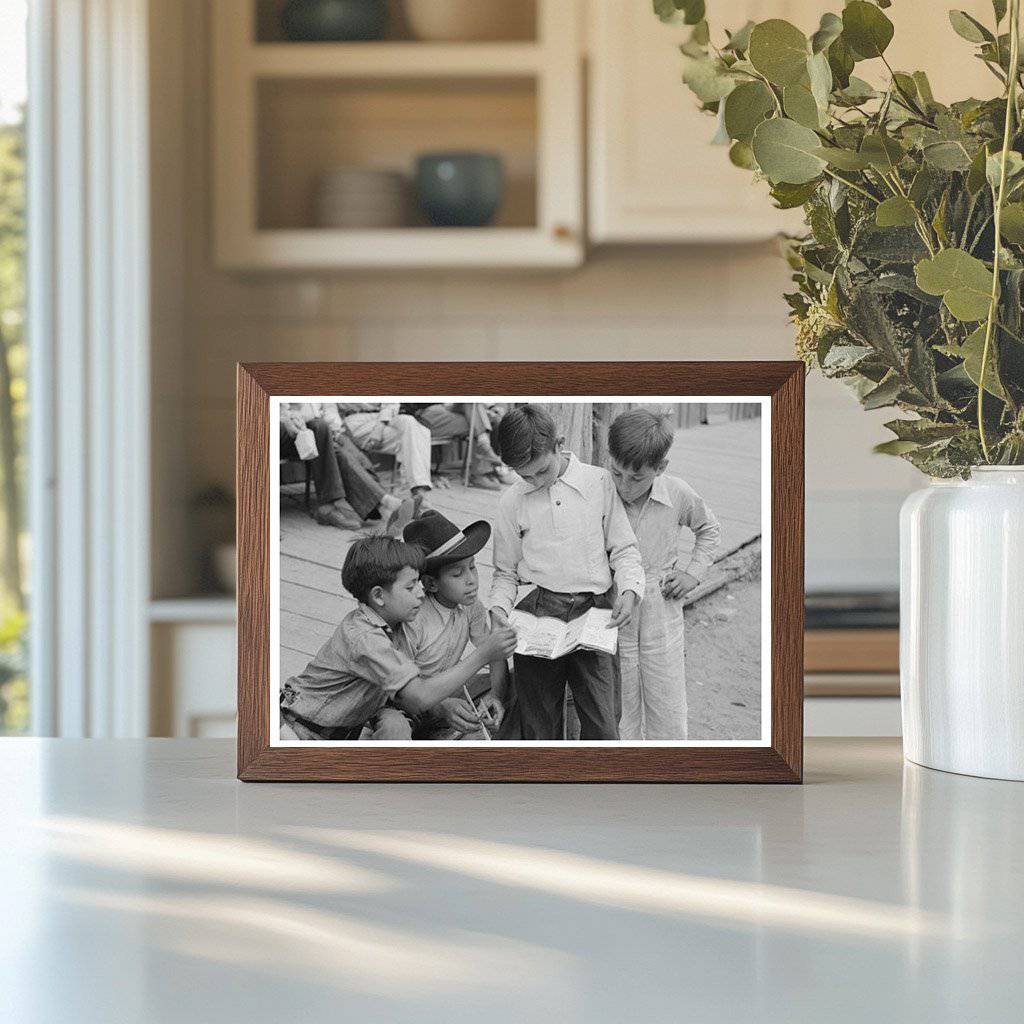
(895, 447)
(947, 156)
(786, 151)
(866, 29)
(999, 9)
(922, 185)
(924, 88)
(883, 395)
(788, 196)
(972, 351)
(708, 80)
(741, 155)
(745, 108)
(976, 173)
(800, 105)
(819, 75)
(829, 30)
(963, 281)
(1012, 223)
(779, 51)
(689, 12)
(845, 159)
(739, 41)
(923, 431)
(969, 28)
(841, 62)
(896, 211)
(882, 151)
(857, 91)
(993, 167)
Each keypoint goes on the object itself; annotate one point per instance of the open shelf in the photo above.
(308, 127)
(286, 114)
(390, 60)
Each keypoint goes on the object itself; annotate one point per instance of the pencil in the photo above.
(472, 704)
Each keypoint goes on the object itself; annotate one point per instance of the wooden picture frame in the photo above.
(780, 759)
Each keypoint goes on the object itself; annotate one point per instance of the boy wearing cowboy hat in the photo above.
(452, 616)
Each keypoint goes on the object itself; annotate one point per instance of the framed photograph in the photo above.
(520, 572)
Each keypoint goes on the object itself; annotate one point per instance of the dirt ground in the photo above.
(723, 659)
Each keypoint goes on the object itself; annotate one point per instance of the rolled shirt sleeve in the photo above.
(620, 541)
(479, 626)
(508, 553)
(707, 532)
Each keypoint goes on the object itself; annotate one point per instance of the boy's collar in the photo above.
(573, 475)
(442, 609)
(375, 618)
(660, 491)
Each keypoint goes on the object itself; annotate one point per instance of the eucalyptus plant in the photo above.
(910, 277)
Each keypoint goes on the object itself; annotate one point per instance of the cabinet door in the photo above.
(653, 174)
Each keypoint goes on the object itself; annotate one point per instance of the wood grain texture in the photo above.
(781, 762)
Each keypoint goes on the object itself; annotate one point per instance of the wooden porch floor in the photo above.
(721, 461)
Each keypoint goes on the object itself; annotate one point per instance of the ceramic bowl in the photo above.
(460, 189)
(332, 21)
(470, 20)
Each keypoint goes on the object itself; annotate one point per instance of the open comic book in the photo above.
(552, 638)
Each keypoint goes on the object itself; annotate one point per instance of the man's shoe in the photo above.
(334, 515)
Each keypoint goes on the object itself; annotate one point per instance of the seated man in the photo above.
(332, 508)
(381, 428)
(347, 487)
(451, 423)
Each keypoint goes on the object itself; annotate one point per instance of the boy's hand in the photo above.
(499, 645)
(493, 711)
(498, 619)
(458, 714)
(677, 584)
(623, 610)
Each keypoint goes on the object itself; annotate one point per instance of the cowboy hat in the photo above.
(442, 541)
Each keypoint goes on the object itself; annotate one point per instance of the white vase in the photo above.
(962, 624)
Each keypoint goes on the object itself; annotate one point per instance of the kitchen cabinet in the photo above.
(654, 177)
(287, 114)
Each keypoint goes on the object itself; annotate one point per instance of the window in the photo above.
(14, 690)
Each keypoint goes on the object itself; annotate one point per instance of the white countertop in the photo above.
(140, 882)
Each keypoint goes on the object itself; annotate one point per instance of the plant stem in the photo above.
(1011, 107)
(853, 185)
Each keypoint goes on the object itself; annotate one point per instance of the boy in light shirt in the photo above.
(562, 529)
(659, 507)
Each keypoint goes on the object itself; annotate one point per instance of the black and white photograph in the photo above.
(510, 570)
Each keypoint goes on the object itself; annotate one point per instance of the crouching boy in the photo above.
(450, 619)
(563, 529)
(364, 675)
(659, 507)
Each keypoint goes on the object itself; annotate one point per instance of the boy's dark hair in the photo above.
(639, 438)
(523, 434)
(376, 562)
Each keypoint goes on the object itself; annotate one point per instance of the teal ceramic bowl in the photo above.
(460, 189)
(334, 21)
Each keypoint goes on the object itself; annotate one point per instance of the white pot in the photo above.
(470, 20)
(962, 624)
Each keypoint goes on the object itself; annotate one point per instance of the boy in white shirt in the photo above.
(562, 529)
(651, 652)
